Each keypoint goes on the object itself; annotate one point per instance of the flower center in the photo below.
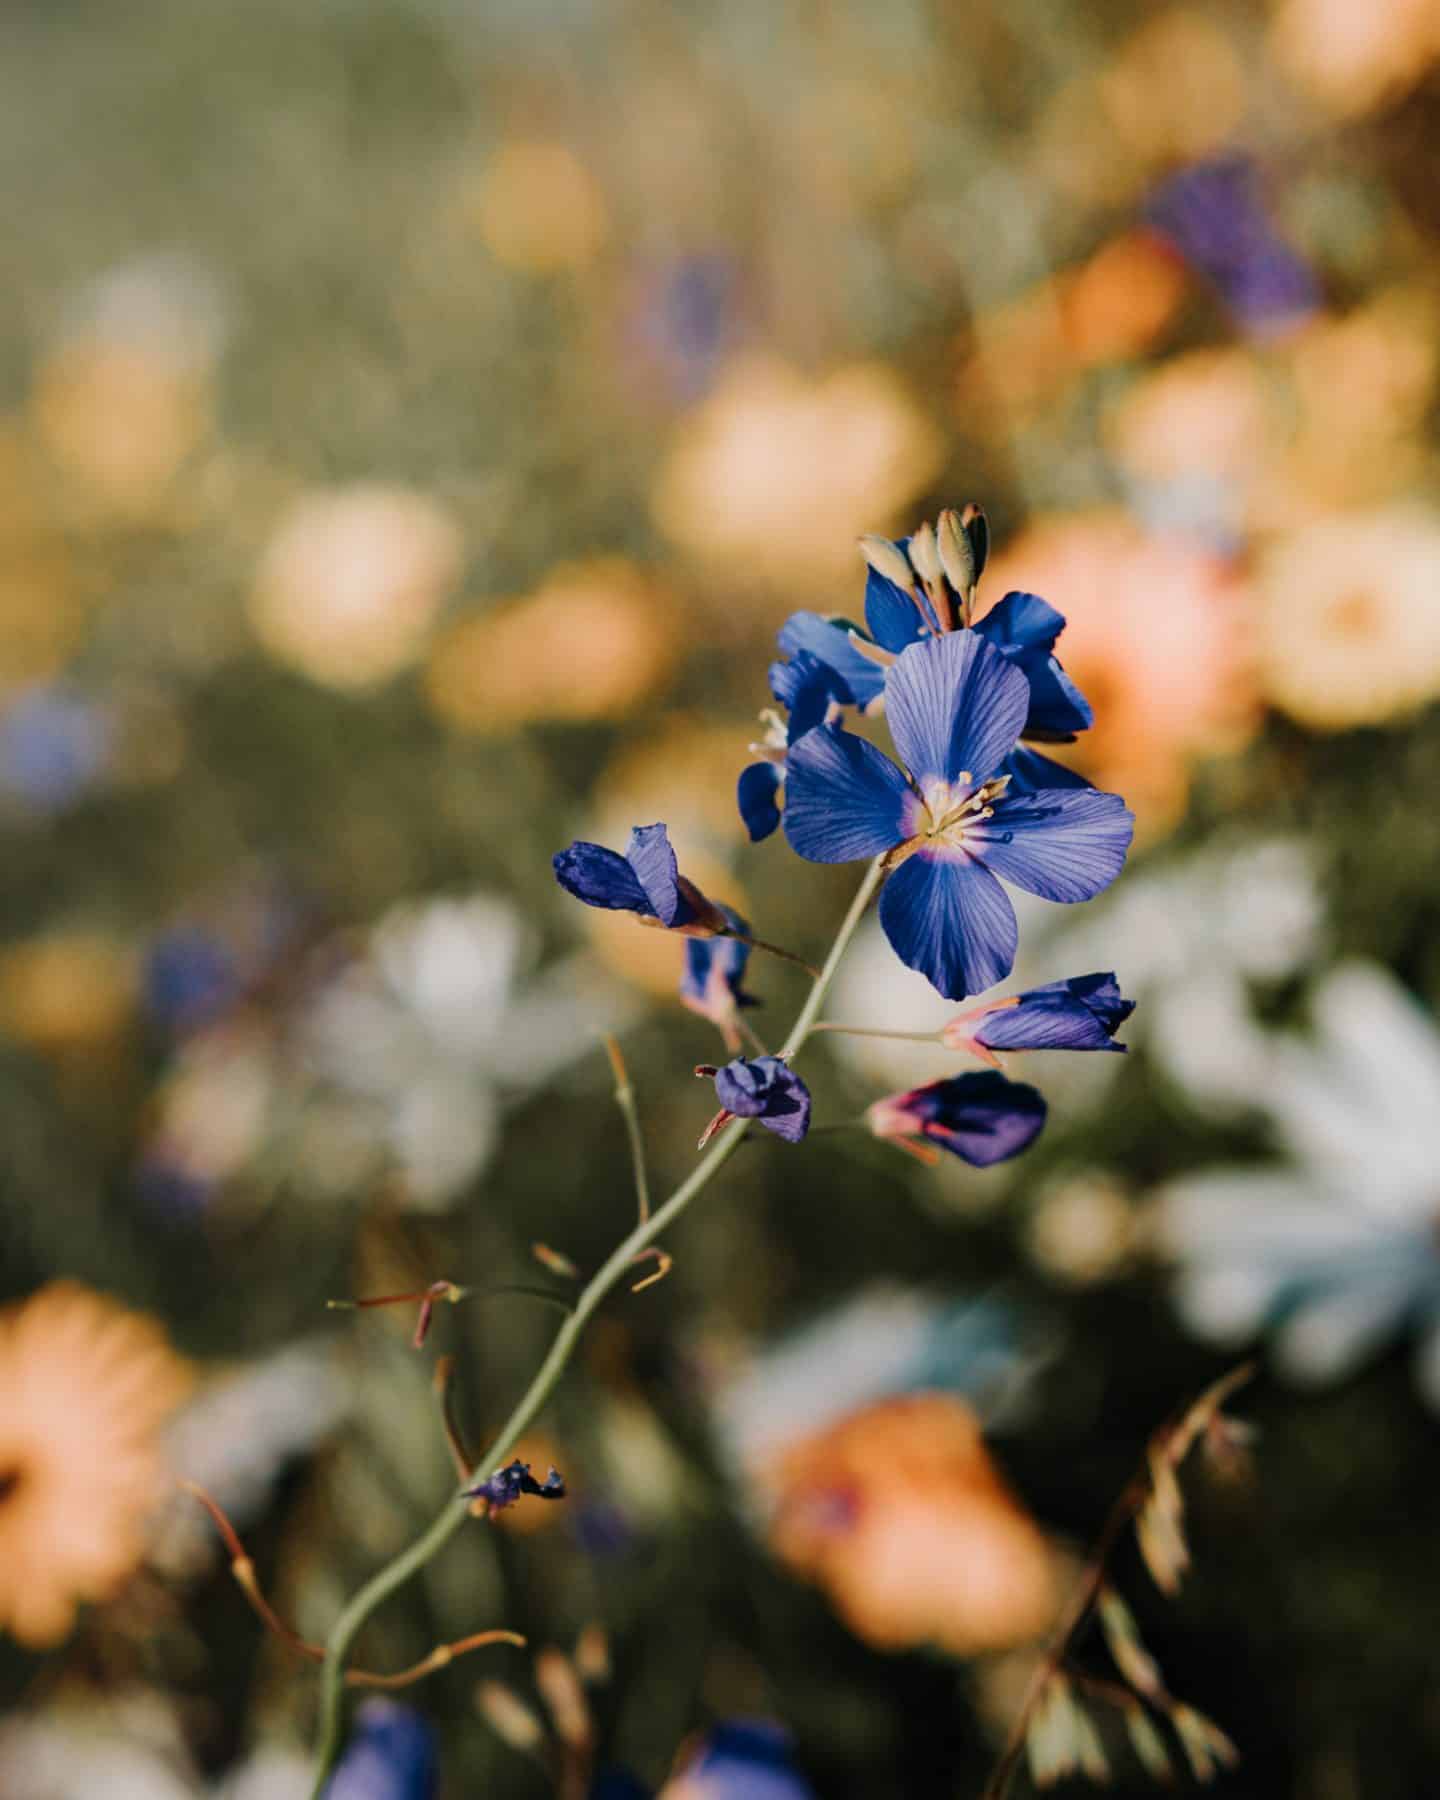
(952, 807)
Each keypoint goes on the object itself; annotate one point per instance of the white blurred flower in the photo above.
(1187, 941)
(1337, 1249)
(439, 1022)
(235, 1437)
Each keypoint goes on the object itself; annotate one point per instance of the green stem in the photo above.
(547, 1376)
(906, 1037)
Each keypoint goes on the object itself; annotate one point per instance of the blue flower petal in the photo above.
(843, 799)
(650, 855)
(1060, 845)
(391, 1755)
(1081, 1013)
(829, 641)
(1023, 628)
(756, 794)
(891, 614)
(982, 1118)
(714, 970)
(954, 704)
(600, 877)
(1029, 772)
(805, 686)
(949, 918)
(1021, 622)
(767, 1090)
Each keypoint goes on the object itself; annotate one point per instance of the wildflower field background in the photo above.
(416, 421)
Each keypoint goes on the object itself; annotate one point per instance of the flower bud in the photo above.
(887, 559)
(956, 556)
(924, 556)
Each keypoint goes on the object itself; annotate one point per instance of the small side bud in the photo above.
(888, 560)
(977, 529)
(956, 556)
(925, 556)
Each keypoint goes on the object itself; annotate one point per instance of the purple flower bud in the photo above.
(645, 881)
(506, 1485)
(768, 1091)
(711, 982)
(1082, 1012)
(982, 1118)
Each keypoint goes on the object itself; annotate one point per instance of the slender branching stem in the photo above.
(625, 1100)
(875, 1031)
(614, 1269)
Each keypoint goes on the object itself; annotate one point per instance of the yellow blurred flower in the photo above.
(782, 473)
(1347, 618)
(1352, 58)
(85, 1386)
(899, 1514)
(1174, 89)
(595, 640)
(68, 991)
(1158, 641)
(351, 581)
(538, 208)
(41, 615)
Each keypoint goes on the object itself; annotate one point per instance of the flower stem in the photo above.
(875, 1031)
(614, 1269)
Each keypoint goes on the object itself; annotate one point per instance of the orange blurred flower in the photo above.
(1155, 640)
(1352, 58)
(1106, 310)
(899, 1514)
(594, 641)
(85, 1386)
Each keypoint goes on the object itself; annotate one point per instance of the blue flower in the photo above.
(806, 688)
(391, 1755)
(645, 881)
(949, 824)
(766, 1090)
(742, 1759)
(1022, 627)
(506, 1485)
(1081, 1013)
(982, 1118)
(711, 982)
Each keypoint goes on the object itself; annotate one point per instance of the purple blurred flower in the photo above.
(506, 1485)
(53, 745)
(391, 1755)
(982, 1118)
(766, 1090)
(645, 881)
(1216, 216)
(1082, 1012)
(956, 707)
